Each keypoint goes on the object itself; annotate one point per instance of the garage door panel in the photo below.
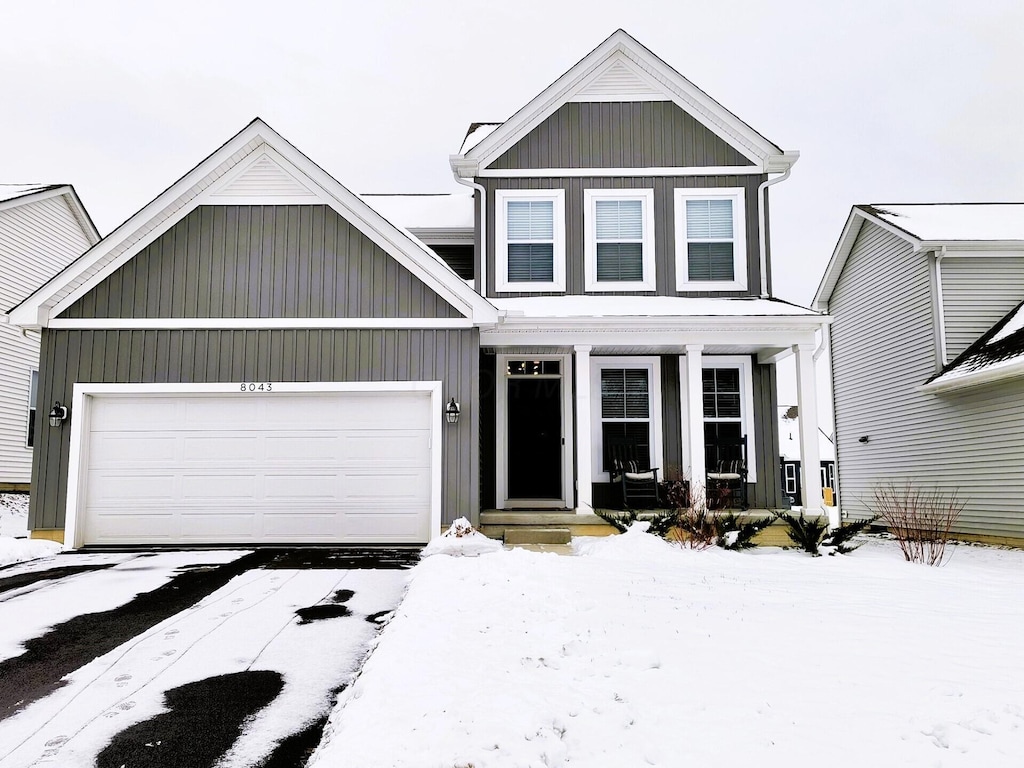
(118, 448)
(203, 448)
(105, 486)
(322, 467)
(301, 487)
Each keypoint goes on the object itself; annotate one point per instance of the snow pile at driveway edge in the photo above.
(20, 550)
(460, 540)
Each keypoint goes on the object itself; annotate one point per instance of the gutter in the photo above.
(482, 281)
(762, 226)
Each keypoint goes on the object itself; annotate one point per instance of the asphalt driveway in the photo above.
(184, 658)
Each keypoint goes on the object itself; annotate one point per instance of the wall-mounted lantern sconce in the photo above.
(452, 411)
(58, 414)
(864, 439)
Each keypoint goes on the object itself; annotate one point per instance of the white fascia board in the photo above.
(256, 323)
(188, 192)
(844, 246)
(36, 309)
(975, 248)
(990, 375)
(677, 88)
(544, 173)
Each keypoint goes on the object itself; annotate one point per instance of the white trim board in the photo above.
(255, 142)
(84, 393)
(257, 323)
(547, 173)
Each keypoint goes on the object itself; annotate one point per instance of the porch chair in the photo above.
(727, 473)
(639, 483)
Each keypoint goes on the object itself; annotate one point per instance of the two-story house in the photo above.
(260, 355)
(42, 228)
(927, 357)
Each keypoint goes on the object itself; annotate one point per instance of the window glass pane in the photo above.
(620, 262)
(530, 219)
(533, 367)
(637, 394)
(531, 262)
(636, 432)
(721, 388)
(709, 219)
(709, 261)
(613, 393)
(619, 220)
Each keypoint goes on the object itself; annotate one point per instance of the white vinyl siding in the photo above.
(618, 231)
(37, 240)
(710, 242)
(977, 292)
(883, 350)
(626, 403)
(531, 240)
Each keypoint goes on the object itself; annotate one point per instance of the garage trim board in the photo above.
(326, 516)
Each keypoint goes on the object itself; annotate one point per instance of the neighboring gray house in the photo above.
(928, 356)
(42, 228)
(261, 356)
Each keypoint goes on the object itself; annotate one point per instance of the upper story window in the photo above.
(618, 231)
(530, 237)
(711, 249)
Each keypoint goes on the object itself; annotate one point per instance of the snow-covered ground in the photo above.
(638, 653)
(14, 543)
(249, 624)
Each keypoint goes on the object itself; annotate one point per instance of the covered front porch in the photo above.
(557, 389)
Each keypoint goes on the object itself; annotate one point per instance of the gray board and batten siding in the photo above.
(634, 134)
(175, 277)
(664, 226)
(252, 261)
(765, 494)
(883, 350)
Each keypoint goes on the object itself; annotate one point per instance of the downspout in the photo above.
(482, 281)
(939, 255)
(761, 227)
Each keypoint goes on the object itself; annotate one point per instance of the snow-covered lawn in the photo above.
(637, 653)
(15, 545)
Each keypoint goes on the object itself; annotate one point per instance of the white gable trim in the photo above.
(621, 49)
(199, 187)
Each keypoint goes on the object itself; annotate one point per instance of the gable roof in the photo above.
(997, 355)
(14, 195)
(927, 226)
(620, 68)
(257, 166)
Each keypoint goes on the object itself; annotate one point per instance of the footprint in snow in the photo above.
(122, 680)
(57, 741)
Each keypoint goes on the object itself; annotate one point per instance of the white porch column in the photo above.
(807, 405)
(584, 434)
(694, 437)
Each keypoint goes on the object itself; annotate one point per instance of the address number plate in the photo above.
(256, 386)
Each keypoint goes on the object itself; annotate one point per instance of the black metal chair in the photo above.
(639, 483)
(727, 473)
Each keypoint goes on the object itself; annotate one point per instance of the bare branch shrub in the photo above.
(921, 519)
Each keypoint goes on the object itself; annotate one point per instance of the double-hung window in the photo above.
(618, 231)
(626, 407)
(530, 240)
(727, 407)
(711, 252)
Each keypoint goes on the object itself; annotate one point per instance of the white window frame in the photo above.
(739, 239)
(745, 366)
(653, 366)
(501, 200)
(590, 198)
(33, 407)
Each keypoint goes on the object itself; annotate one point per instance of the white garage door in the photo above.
(282, 468)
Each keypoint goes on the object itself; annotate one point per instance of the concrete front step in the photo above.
(495, 523)
(546, 535)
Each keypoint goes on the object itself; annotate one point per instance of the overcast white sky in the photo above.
(887, 100)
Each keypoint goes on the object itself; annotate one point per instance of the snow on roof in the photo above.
(477, 132)
(997, 354)
(954, 221)
(646, 306)
(11, 191)
(429, 211)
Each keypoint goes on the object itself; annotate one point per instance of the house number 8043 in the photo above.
(251, 386)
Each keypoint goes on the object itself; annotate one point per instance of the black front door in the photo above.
(534, 433)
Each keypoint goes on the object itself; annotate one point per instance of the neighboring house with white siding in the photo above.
(928, 356)
(42, 228)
